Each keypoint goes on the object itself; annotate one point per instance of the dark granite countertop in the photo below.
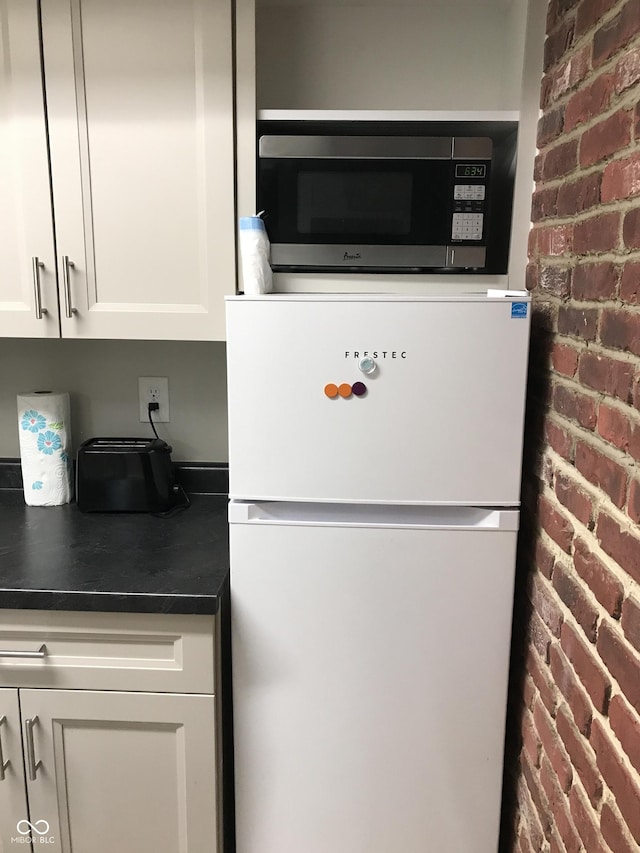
(58, 558)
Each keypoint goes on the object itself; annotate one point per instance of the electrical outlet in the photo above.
(154, 389)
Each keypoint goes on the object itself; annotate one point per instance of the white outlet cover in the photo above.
(152, 388)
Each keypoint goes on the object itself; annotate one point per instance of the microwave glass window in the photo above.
(355, 203)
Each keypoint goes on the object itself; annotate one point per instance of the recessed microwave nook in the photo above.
(387, 196)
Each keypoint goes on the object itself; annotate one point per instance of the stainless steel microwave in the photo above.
(372, 197)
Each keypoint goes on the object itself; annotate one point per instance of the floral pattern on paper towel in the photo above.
(37, 485)
(48, 442)
(33, 421)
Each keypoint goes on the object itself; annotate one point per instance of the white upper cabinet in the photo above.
(28, 295)
(139, 99)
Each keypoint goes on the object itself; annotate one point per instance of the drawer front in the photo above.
(108, 651)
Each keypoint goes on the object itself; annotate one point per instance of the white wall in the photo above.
(102, 379)
(366, 54)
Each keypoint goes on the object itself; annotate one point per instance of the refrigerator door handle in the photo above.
(373, 515)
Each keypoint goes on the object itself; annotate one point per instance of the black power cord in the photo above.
(177, 489)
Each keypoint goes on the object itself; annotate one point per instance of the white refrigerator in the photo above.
(374, 456)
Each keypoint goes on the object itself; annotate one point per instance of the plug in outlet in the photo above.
(154, 389)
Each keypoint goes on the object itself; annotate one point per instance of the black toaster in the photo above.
(124, 475)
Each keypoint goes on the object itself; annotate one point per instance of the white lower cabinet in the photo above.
(106, 770)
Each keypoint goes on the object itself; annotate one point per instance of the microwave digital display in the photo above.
(470, 170)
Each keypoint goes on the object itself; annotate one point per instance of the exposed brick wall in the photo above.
(577, 768)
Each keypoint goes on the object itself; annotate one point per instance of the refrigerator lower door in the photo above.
(370, 663)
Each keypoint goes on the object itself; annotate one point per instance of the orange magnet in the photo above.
(345, 390)
(331, 390)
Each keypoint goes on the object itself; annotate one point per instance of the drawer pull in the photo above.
(3, 764)
(13, 653)
(32, 764)
(66, 286)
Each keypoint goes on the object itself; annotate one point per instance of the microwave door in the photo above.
(360, 203)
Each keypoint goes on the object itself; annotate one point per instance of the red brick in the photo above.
(560, 160)
(554, 240)
(614, 832)
(627, 71)
(606, 374)
(623, 546)
(575, 406)
(532, 243)
(542, 679)
(576, 500)
(571, 592)
(560, 810)
(558, 43)
(597, 234)
(559, 439)
(544, 559)
(589, 670)
(550, 126)
(546, 605)
(613, 426)
(555, 280)
(631, 621)
(602, 583)
(571, 689)
(617, 32)
(581, 755)
(605, 138)
(598, 281)
(553, 746)
(564, 359)
(633, 504)
(631, 229)
(626, 726)
(578, 322)
(634, 441)
(566, 77)
(630, 284)
(544, 203)
(539, 635)
(530, 741)
(602, 471)
(557, 10)
(556, 525)
(579, 195)
(538, 797)
(529, 812)
(589, 102)
(617, 777)
(585, 822)
(590, 12)
(528, 691)
(621, 179)
(531, 276)
(620, 329)
(621, 662)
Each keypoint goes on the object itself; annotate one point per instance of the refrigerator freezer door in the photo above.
(438, 420)
(369, 678)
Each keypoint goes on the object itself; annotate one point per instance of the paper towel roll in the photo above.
(45, 447)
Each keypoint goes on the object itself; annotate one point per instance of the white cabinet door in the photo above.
(140, 113)
(26, 228)
(122, 771)
(13, 801)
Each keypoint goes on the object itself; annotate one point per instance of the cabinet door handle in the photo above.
(37, 266)
(32, 764)
(3, 764)
(18, 653)
(66, 286)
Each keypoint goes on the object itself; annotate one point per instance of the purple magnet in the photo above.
(359, 388)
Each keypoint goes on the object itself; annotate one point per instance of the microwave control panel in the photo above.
(469, 195)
